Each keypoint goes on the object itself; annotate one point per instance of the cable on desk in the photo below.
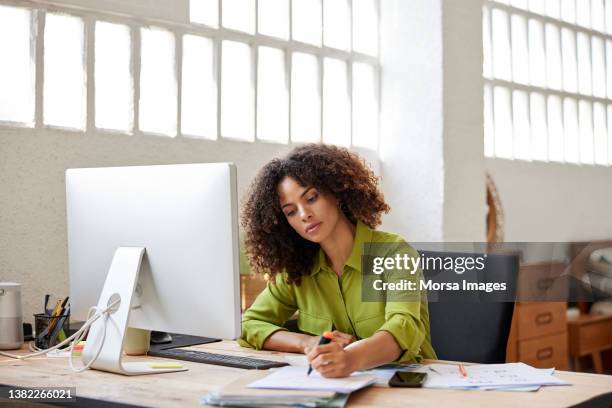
(75, 338)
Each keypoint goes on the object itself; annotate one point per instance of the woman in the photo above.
(307, 218)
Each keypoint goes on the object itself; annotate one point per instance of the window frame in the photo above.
(491, 81)
(90, 15)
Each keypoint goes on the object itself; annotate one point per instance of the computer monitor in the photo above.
(185, 218)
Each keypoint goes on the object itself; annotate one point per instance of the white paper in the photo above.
(488, 376)
(298, 361)
(295, 378)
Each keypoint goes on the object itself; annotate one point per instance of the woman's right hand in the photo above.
(343, 339)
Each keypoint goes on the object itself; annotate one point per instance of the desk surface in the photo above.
(184, 389)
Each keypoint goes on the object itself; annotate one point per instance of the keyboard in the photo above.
(217, 359)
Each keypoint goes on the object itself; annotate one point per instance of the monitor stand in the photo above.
(110, 333)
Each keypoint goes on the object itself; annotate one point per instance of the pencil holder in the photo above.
(50, 330)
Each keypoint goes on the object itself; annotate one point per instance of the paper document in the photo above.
(235, 394)
(298, 361)
(295, 378)
(488, 376)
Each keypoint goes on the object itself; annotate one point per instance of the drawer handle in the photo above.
(545, 284)
(544, 318)
(544, 353)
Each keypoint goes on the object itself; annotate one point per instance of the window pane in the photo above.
(365, 26)
(64, 85)
(583, 13)
(568, 10)
(585, 118)
(522, 134)
(609, 67)
(337, 24)
(601, 142)
(204, 12)
(537, 6)
(306, 18)
(537, 55)
(503, 122)
(113, 79)
(599, 67)
(272, 96)
(570, 71)
(199, 88)
(501, 46)
(522, 4)
(305, 98)
(553, 57)
(273, 18)
(539, 132)
(584, 64)
(237, 96)
(520, 52)
(239, 15)
(553, 8)
(555, 129)
(609, 19)
(570, 125)
(157, 82)
(16, 69)
(598, 15)
(488, 122)
(486, 44)
(336, 103)
(365, 106)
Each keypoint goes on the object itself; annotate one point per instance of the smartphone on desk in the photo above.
(407, 379)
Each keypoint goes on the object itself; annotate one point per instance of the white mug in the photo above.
(11, 317)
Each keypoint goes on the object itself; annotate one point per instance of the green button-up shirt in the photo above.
(326, 301)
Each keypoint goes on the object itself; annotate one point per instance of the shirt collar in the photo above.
(363, 234)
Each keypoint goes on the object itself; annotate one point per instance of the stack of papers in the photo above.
(507, 377)
(237, 394)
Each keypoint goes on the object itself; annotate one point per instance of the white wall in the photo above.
(553, 202)
(33, 247)
(431, 115)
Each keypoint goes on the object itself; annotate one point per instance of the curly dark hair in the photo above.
(272, 245)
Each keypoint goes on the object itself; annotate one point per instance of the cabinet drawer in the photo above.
(541, 319)
(545, 352)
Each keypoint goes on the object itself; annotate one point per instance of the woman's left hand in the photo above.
(332, 360)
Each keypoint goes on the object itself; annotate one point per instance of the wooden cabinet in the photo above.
(590, 335)
(538, 336)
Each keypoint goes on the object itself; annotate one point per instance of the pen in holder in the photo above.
(50, 330)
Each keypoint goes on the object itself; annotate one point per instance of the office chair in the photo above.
(469, 326)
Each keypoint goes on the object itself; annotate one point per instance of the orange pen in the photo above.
(325, 339)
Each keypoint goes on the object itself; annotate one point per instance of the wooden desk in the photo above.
(184, 389)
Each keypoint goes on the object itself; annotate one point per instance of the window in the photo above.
(113, 82)
(64, 90)
(279, 71)
(548, 80)
(16, 78)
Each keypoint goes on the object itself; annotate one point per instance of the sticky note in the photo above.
(165, 365)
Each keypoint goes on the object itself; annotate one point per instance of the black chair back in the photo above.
(473, 326)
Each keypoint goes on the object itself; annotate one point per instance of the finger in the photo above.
(322, 349)
(324, 367)
(323, 360)
(341, 335)
(331, 372)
